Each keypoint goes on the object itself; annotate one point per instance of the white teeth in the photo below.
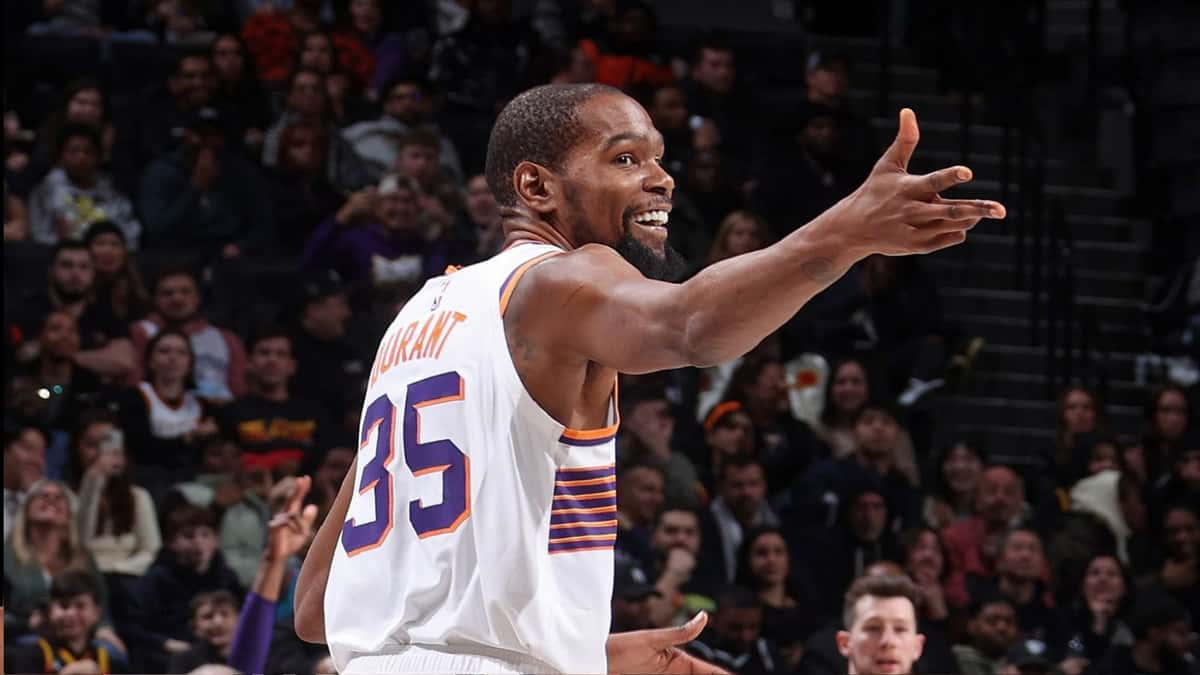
(652, 217)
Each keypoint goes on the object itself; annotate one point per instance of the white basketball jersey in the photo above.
(166, 420)
(479, 522)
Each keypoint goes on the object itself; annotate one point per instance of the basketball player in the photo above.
(880, 618)
(475, 530)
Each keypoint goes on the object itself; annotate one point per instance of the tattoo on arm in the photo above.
(818, 269)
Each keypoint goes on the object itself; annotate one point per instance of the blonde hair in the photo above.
(72, 549)
(720, 247)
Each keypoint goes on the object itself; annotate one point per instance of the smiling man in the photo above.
(881, 635)
(476, 531)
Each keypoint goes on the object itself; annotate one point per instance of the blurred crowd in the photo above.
(213, 208)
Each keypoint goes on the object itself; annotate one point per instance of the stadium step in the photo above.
(1026, 360)
(1006, 303)
(1092, 256)
(963, 272)
(1038, 414)
(1017, 331)
(1033, 386)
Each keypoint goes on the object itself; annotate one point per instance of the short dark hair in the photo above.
(677, 507)
(1154, 608)
(982, 599)
(715, 41)
(174, 270)
(540, 125)
(184, 516)
(642, 463)
(1002, 542)
(269, 333)
(215, 598)
(879, 405)
(15, 426)
(73, 583)
(76, 130)
(879, 586)
(740, 460)
(422, 136)
(737, 597)
(67, 245)
(191, 54)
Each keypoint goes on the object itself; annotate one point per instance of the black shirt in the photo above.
(98, 324)
(29, 656)
(331, 373)
(272, 433)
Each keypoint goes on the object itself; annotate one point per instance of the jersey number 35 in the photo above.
(435, 456)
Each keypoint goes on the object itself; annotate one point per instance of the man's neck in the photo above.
(169, 391)
(775, 596)
(77, 645)
(1020, 591)
(880, 464)
(54, 369)
(522, 225)
(278, 393)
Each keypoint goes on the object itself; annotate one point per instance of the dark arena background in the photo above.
(214, 208)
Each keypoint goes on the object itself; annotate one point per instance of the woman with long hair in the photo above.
(163, 417)
(1096, 619)
(1080, 412)
(45, 541)
(923, 557)
(302, 194)
(117, 277)
(764, 567)
(955, 473)
(740, 232)
(1166, 414)
(238, 90)
(84, 101)
(117, 521)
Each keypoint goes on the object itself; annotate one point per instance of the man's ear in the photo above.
(536, 187)
(920, 647)
(843, 643)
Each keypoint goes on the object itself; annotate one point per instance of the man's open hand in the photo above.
(657, 650)
(897, 213)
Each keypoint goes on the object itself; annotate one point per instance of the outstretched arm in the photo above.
(657, 650)
(314, 573)
(729, 307)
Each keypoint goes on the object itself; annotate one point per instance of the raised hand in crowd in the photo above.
(360, 206)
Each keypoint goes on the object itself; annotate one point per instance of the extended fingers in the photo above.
(942, 179)
(959, 210)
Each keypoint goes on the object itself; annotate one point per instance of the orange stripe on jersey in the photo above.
(598, 509)
(451, 269)
(581, 549)
(587, 496)
(598, 523)
(602, 467)
(510, 284)
(585, 537)
(597, 434)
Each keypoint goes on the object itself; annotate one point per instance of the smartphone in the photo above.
(113, 442)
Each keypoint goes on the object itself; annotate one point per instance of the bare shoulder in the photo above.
(568, 280)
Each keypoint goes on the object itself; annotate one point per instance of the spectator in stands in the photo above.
(44, 541)
(275, 430)
(639, 498)
(1183, 482)
(16, 217)
(714, 93)
(1020, 569)
(238, 91)
(117, 521)
(302, 196)
(165, 419)
(162, 119)
(407, 104)
(1096, 618)
(478, 68)
(924, 560)
(734, 640)
(417, 160)
(728, 431)
(202, 199)
(1162, 640)
(245, 522)
(376, 239)
(667, 106)
(847, 389)
(649, 425)
(708, 189)
(1079, 413)
(740, 232)
(189, 564)
(827, 77)
(54, 388)
(683, 588)
(104, 347)
(117, 277)
(307, 101)
(343, 76)
(477, 234)
(991, 632)
(633, 596)
(84, 101)
(24, 464)
(332, 370)
(785, 445)
(765, 567)
(972, 543)
(220, 360)
(877, 433)
(273, 36)
(628, 57)
(216, 482)
(76, 193)
(1178, 572)
(957, 470)
(362, 28)
(213, 621)
(740, 505)
(882, 632)
(327, 477)
(1167, 415)
(69, 643)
